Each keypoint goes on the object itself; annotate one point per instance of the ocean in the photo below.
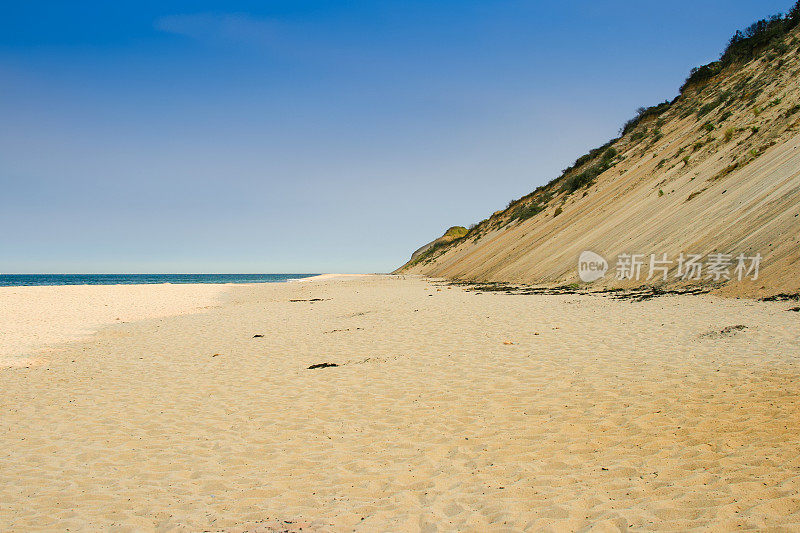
(19, 280)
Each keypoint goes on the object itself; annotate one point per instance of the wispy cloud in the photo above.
(304, 42)
(221, 27)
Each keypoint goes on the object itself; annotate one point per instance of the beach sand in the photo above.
(449, 410)
(32, 318)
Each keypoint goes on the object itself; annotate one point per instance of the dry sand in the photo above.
(35, 317)
(602, 414)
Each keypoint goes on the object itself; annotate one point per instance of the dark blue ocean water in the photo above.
(16, 280)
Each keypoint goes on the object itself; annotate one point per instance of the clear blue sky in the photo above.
(295, 136)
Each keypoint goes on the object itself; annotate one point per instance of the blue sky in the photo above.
(310, 136)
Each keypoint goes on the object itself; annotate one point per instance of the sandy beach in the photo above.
(448, 410)
(35, 318)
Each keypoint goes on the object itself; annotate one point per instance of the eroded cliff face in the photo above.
(715, 171)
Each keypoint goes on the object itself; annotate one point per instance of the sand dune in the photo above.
(602, 414)
(690, 180)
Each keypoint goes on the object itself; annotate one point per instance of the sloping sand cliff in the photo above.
(715, 171)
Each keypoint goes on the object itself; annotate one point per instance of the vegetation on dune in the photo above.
(643, 114)
(451, 236)
(746, 45)
(587, 177)
(580, 174)
(456, 232)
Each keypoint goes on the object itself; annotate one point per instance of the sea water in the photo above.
(18, 280)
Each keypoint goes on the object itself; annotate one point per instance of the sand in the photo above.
(37, 317)
(449, 410)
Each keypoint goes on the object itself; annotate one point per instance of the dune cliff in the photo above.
(713, 175)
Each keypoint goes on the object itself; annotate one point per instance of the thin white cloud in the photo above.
(289, 40)
(224, 27)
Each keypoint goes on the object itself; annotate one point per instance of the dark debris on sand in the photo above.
(782, 297)
(342, 330)
(322, 365)
(636, 295)
(727, 331)
(648, 293)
